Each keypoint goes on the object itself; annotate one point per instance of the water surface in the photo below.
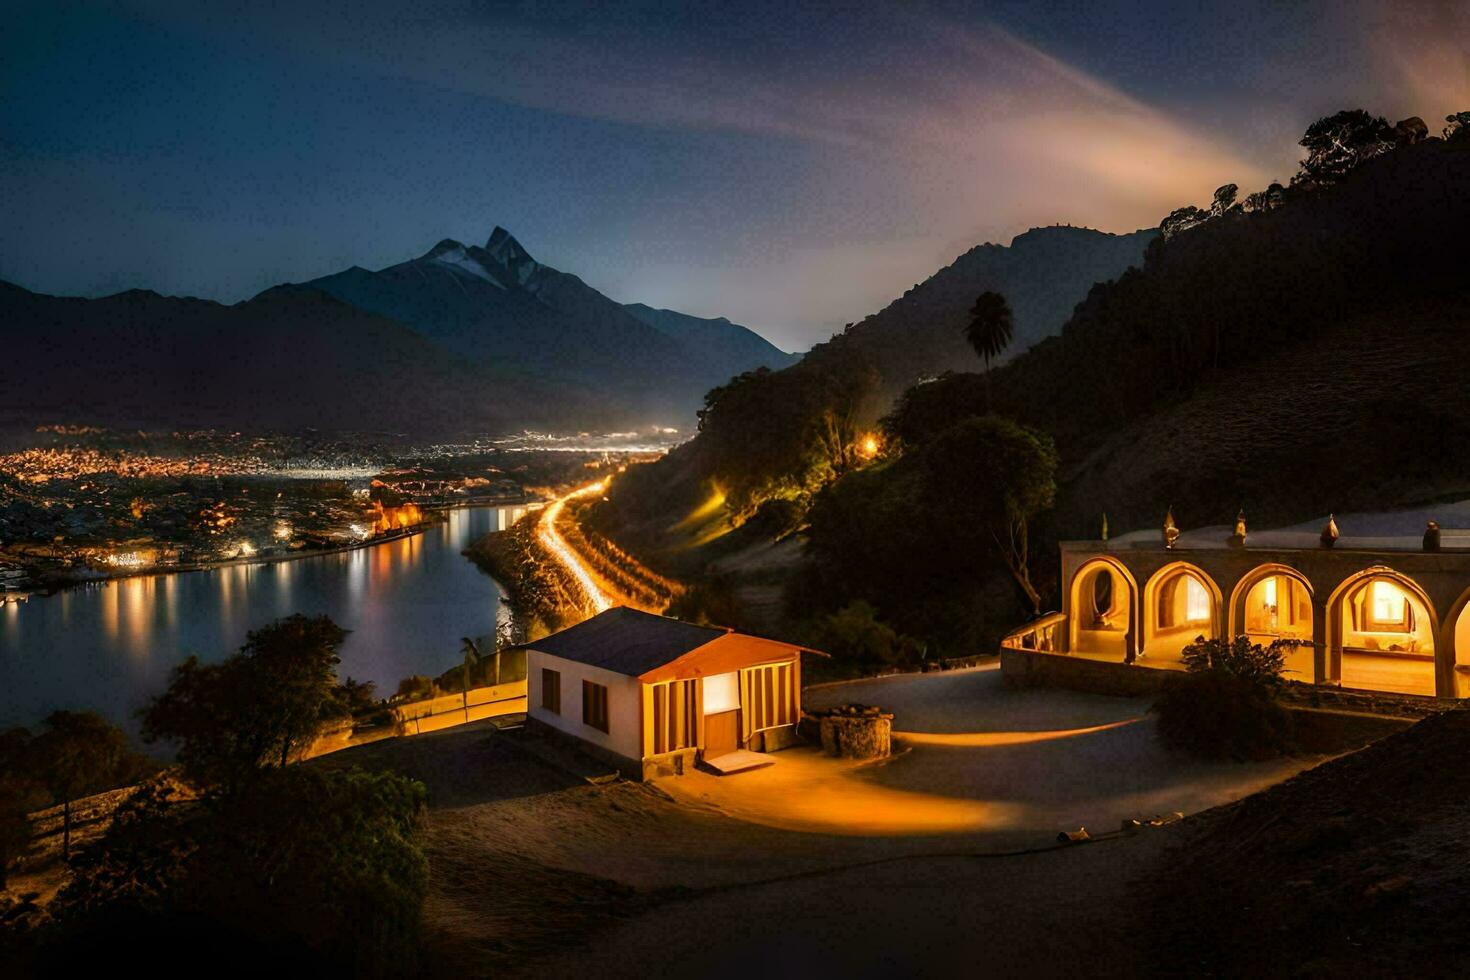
(110, 647)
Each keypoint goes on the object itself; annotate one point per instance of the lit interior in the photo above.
(1387, 639)
(1183, 608)
(1279, 607)
(1102, 613)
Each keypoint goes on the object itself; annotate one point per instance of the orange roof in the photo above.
(721, 655)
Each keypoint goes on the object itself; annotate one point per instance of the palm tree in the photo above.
(989, 330)
(471, 651)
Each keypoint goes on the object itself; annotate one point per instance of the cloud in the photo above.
(910, 137)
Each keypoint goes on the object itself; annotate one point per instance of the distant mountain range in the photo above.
(460, 339)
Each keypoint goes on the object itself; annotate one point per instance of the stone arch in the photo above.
(1367, 654)
(1109, 634)
(1454, 649)
(1173, 619)
(1275, 602)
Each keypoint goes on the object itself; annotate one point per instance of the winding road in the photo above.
(551, 539)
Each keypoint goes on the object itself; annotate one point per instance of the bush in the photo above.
(855, 633)
(1225, 705)
(314, 868)
(415, 688)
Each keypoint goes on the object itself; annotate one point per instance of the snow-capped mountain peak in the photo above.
(504, 249)
(453, 254)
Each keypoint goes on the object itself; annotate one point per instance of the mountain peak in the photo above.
(446, 246)
(504, 247)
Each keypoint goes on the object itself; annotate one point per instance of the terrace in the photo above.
(1382, 607)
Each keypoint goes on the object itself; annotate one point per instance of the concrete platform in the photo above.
(740, 760)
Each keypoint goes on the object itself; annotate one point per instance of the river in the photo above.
(110, 646)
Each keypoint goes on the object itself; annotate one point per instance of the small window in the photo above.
(1389, 610)
(551, 690)
(594, 706)
(1196, 601)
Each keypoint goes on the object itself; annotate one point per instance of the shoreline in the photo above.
(48, 590)
(207, 566)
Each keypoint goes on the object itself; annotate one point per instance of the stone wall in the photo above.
(853, 731)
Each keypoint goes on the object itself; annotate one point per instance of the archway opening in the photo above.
(1182, 605)
(1385, 637)
(1278, 606)
(1462, 650)
(1102, 612)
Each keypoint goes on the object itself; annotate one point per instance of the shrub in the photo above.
(313, 868)
(1225, 706)
(415, 688)
(855, 633)
(1251, 662)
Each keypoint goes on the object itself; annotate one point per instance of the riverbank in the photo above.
(55, 584)
(541, 595)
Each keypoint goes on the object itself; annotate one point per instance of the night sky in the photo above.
(790, 166)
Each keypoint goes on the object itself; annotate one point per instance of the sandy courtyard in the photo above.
(813, 863)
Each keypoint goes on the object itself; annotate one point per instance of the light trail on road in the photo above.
(553, 542)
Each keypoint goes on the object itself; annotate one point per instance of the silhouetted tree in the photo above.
(1182, 219)
(993, 476)
(80, 753)
(21, 794)
(1224, 200)
(1338, 143)
(317, 867)
(258, 708)
(990, 328)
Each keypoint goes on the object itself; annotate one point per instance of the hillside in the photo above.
(718, 340)
(1295, 361)
(774, 435)
(505, 312)
(285, 359)
(1043, 274)
(1354, 868)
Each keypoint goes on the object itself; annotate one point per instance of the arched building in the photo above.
(1374, 613)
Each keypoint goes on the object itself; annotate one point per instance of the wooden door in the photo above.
(721, 733)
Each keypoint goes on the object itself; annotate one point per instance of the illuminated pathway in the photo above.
(554, 543)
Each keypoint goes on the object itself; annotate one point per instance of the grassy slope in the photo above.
(1358, 867)
(1374, 414)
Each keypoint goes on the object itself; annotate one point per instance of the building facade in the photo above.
(652, 695)
(1380, 615)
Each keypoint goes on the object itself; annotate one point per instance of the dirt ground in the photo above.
(902, 866)
(1359, 867)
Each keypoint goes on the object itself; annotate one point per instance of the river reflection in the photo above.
(110, 647)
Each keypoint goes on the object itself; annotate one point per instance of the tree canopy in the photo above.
(975, 486)
(260, 707)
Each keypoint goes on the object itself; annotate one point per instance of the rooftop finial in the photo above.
(1171, 529)
(1329, 532)
(1431, 536)
(1237, 540)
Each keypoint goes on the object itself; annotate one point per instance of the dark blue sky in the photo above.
(791, 166)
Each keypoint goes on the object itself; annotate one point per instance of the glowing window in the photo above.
(1270, 593)
(1389, 605)
(1196, 601)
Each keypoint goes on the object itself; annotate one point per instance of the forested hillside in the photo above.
(773, 438)
(1296, 352)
